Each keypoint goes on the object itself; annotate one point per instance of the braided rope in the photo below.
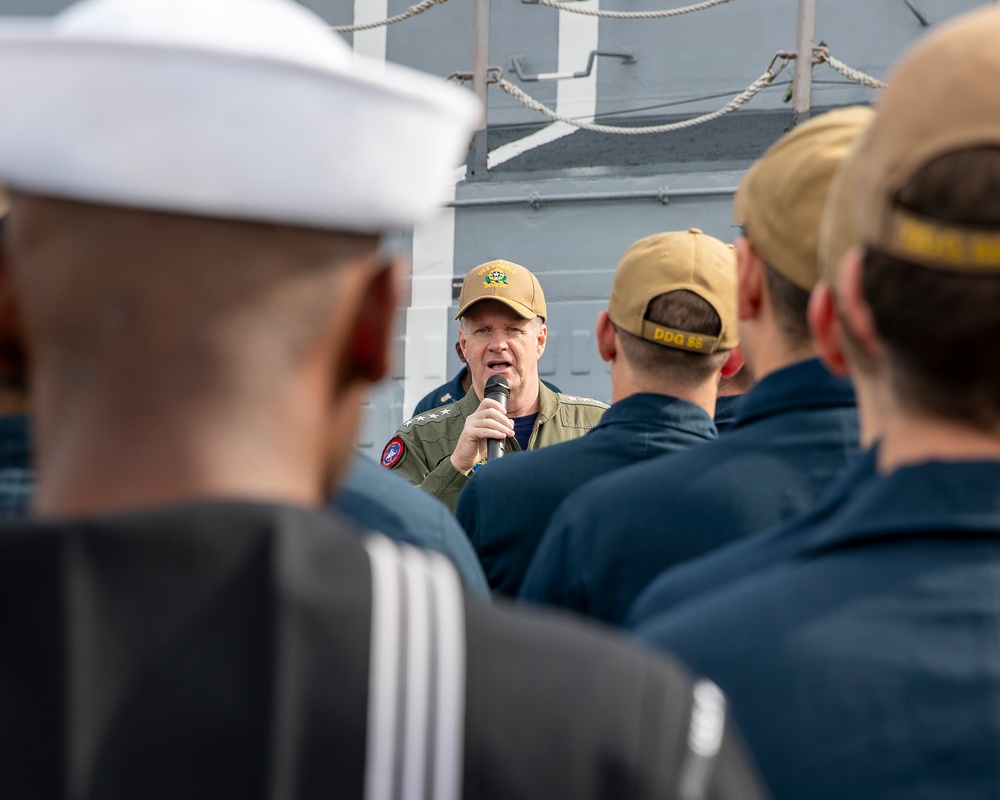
(412, 11)
(737, 102)
(849, 72)
(670, 12)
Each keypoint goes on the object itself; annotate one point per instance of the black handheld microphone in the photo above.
(497, 389)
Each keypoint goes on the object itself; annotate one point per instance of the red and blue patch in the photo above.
(393, 452)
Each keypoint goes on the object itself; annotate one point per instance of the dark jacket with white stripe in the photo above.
(227, 650)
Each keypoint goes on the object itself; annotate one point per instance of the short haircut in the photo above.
(680, 310)
(940, 328)
(790, 305)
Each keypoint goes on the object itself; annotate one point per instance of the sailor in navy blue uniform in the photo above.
(858, 668)
(611, 537)
(867, 664)
(662, 395)
(506, 507)
(699, 576)
(795, 433)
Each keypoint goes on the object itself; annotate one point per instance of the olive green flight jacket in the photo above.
(421, 449)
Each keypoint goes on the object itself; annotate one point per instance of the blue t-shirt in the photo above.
(523, 427)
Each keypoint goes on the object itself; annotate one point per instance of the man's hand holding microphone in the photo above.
(486, 429)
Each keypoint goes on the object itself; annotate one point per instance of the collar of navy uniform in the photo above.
(951, 497)
(805, 384)
(659, 410)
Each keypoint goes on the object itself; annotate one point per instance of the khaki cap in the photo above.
(941, 99)
(669, 262)
(781, 198)
(838, 231)
(510, 283)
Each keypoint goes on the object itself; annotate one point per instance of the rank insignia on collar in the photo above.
(393, 452)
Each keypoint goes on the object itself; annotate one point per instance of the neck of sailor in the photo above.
(909, 433)
(766, 344)
(131, 413)
(628, 380)
(767, 348)
(844, 357)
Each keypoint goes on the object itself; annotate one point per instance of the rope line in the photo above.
(737, 102)
(670, 12)
(850, 73)
(412, 11)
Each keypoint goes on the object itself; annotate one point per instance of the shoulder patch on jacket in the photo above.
(581, 401)
(393, 452)
(435, 415)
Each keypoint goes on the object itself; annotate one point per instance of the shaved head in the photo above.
(138, 321)
(96, 279)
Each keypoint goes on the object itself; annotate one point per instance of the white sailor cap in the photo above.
(242, 109)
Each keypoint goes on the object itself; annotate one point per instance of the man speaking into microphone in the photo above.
(502, 333)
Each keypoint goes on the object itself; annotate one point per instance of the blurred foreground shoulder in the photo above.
(584, 714)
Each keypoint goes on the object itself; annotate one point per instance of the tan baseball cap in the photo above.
(669, 262)
(510, 283)
(941, 98)
(838, 230)
(781, 198)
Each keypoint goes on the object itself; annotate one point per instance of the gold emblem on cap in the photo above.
(495, 276)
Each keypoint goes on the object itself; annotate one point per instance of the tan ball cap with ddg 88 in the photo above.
(942, 98)
(669, 262)
(506, 282)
